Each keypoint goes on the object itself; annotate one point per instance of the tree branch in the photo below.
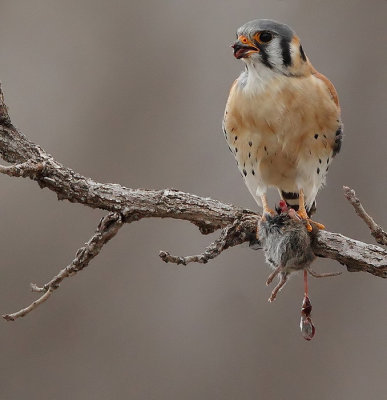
(107, 228)
(376, 231)
(242, 230)
(126, 205)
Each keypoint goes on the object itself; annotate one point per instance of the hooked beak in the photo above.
(243, 50)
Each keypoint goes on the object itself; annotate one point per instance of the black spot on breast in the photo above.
(302, 54)
(236, 137)
(249, 155)
(285, 48)
(236, 149)
(265, 148)
(250, 143)
(318, 170)
(319, 160)
(253, 172)
(316, 136)
(327, 169)
(244, 172)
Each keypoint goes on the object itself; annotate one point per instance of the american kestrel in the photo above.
(282, 119)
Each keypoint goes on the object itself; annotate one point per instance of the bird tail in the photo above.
(291, 199)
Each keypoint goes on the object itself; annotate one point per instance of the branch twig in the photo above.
(376, 231)
(126, 205)
(233, 235)
(29, 168)
(107, 228)
(32, 306)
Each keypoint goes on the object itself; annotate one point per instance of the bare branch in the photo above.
(233, 235)
(376, 231)
(127, 205)
(28, 309)
(29, 168)
(184, 260)
(208, 214)
(107, 228)
(355, 255)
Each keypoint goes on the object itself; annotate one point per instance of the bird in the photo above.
(282, 119)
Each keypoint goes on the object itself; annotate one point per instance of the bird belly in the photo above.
(264, 162)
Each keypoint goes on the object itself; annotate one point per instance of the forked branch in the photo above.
(126, 205)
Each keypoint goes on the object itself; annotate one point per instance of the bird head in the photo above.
(272, 44)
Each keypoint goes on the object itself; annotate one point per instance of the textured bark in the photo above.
(135, 204)
(355, 255)
(238, 225)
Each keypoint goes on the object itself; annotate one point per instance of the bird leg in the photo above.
(304, 215)
(265, 205)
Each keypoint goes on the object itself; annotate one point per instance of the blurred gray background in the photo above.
(133, 92)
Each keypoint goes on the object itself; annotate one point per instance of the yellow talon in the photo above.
(304, 215)
(318, 225)
(269, 211)
(266, 208)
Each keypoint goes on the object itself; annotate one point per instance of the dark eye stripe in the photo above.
(265, 58)
(286, 58)
(303, 56)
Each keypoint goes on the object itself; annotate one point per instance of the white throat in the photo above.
(256, 78)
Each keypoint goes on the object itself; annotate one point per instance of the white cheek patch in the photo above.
(274, 52)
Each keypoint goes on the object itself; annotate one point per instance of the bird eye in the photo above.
(264, 37)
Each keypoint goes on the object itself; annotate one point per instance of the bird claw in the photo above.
(309, 227)
(318, 225)
(304, 216)
(267, 211)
